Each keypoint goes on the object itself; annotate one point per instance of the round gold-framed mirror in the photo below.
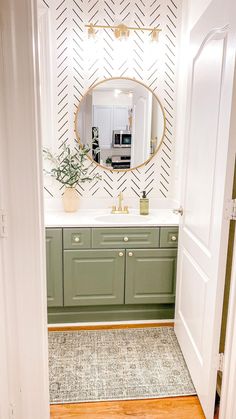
(122, 121)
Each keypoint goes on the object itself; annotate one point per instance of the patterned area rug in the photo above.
(116, 364)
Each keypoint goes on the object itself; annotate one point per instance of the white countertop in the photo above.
(104, 218)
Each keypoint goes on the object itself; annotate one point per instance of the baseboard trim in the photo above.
(107, 314)
(110, 325)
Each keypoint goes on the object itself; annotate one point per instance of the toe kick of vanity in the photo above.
(107, 274)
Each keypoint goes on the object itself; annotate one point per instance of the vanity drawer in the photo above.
(115, 238)
(169, 237)
(76, 238)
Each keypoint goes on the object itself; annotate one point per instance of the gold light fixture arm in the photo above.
(118, 26)
(123, 30)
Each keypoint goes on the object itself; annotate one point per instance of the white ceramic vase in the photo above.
(70, 200)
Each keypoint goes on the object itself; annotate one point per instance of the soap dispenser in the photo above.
(144, 204)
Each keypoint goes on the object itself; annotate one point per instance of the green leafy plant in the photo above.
(108, 160)
(69, 166)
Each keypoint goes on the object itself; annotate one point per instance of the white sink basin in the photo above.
(123, 218)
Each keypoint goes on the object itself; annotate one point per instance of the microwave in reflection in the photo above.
(121, 139)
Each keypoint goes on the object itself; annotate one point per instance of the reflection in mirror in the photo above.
(123, 123)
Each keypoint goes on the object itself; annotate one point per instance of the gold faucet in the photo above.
(120, 209)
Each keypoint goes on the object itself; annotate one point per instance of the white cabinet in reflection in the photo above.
(120, 118)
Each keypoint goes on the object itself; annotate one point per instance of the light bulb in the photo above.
(117, 92)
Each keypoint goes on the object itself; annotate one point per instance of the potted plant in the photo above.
(109, 161)
(69, 169)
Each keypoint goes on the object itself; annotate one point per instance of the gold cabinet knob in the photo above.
(77, 239)
(121, 254)
(173, 238)
(130, 254)
(126, 239)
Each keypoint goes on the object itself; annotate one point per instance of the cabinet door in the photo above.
(150, 276)
(54, 267)
(121, 118)
(93, 277)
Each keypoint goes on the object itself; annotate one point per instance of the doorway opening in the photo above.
(228, 278)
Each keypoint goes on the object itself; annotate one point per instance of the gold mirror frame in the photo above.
(164, 128)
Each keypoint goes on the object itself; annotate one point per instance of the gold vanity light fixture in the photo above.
(122, 31)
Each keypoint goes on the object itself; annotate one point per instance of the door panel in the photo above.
(150, 276)
(93, 277)
(193, 309)
(207, 186)
(204, 138)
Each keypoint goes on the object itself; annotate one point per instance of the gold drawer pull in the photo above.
(126, 239)
(130, 254)
(173, 238)
(121, 254)
(76, 239)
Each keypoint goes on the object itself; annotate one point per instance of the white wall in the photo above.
(196, 9)
(107, 98)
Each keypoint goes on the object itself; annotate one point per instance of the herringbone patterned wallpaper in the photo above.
(81, 62)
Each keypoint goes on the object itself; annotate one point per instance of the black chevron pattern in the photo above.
(80, 65)
(62, 71)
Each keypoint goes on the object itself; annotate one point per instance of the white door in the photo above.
(102, 118)
(209, 155)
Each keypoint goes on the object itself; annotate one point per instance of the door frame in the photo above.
(23, 271)
(228, 402)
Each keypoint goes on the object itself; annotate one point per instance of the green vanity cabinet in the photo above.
(54, 267)
(150, 276)
(111, 273)
(93, 277)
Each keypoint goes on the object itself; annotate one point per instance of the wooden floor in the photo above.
(169, 408)
(166, 408)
